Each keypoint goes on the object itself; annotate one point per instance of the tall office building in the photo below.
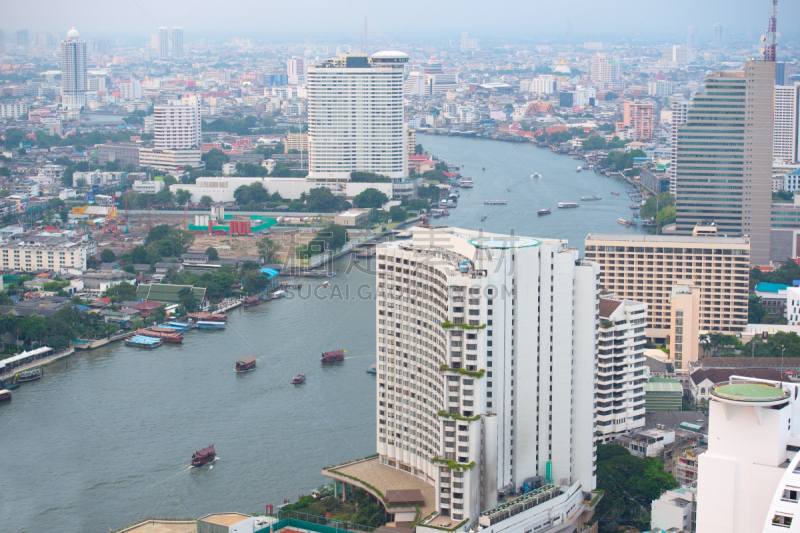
(22, 38)
(718, 35)
(780, 73)
(296, 71)
(178, 124)
(787, 118)
(748, 479)
(177, 42)
(620, 368)
(680, 114)
(487, 375)
(693, 38)
(355, 116)
(468, 43)
(163, 43)
(73, 72)
(724, 169)
(604, 70)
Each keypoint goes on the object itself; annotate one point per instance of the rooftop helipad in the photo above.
(749, 392)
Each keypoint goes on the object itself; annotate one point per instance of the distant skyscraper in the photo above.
(55, 39)
(468, 43)
(693, 39)
(780, 73)
(41, 39)
(177, 42)
(675, 54)
(22, 38)
(787, 107)
(163, 43)
(717, 35)
(355, 116)
(605, 70)
(725, 159)
(296, 70)
(73, 72)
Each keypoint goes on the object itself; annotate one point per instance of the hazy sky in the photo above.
(309, 18)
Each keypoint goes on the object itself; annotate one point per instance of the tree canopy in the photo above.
(370, 198)
(214, 159)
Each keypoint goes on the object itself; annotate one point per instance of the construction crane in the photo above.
(770, 37)
(185, 211)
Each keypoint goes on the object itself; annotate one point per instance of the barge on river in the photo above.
(29, 375)
(202, 324)
(333, 357)
(140, 341)
(209, 317)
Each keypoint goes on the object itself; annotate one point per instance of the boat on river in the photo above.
(179, 326)
(202, 324)
(615, 193)
(206, 455)
(372, 370)
(466, 182)
(623, 222)
(166, 337)
(140, 341)
(299, 379)
(567, 205)
(5, 395)
(29, 375)
(333, 357)
(209, 317)
(536, 175)
(495, 202)
(545, 211)
(246, 363)
(590, 198)
(251, 301)
(578, 169)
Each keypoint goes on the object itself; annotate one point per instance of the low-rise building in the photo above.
(53, 254)
(650, 442)
(147, 187)
(353, 217)
(663, 394)
(773, 298)
(674, 509)
(124, 154)
(168, 160)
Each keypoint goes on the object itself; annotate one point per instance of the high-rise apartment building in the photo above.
(693, 38)
(296, 71)
(724, 154)
(644, 268)
(22, 38)
(73, 72)
(718, 35)
(468, 43)
(163, 43)
(787, 119)
(678, 55)
(620, 368)
(680, 115)
(355, 116)
(749, 478)
(486, 367)
(640, 117)
(178, 124)
(177, 42)
(604, 70)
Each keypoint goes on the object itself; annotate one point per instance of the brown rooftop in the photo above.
(224, 519)
(405, 496)
(608, 306)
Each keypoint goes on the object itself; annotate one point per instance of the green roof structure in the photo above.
(663, 394)
(166, 293)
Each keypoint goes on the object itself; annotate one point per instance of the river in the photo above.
(105, 438)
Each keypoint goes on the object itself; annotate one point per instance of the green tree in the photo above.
(212, 253)
(122, 292)
(664, 199)
(108, 256)
(397, 213)
(183, 196)
(205, 200)
(369, 177)
(187, 299)
(429, 192)
(668, 215)
(253, 193)
(370, 198)
(611, 96)
(214, 159)
(419, 150)
(596, 142)
(267, 249)
(322, 200)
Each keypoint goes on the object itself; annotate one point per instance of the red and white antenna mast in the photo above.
(771, 35)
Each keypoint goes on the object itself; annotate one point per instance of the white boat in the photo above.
(579, 169)
(326, 283)
(465, 182)
(536, 175)
(278, 294)
(495, 202)
(567, 205)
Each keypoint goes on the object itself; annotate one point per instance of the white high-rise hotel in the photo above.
(177, 42)
(787, 121)
(486, 370)
(355, 116)
(178, 124)
(73, 72)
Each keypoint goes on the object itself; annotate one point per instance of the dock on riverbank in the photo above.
(44, 361)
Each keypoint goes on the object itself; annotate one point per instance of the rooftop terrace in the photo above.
(750, 392)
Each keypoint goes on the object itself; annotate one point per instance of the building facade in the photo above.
(73, 72)
(680, 114)
(724, 169)
(785, 138)
(29, 257)
(486, 364)
(620, 368)
(604, 70)
(178, 124)
(124, 154)
(163, 43)
(355, 116)
(646, 267)
(168, 160)
(177, 42)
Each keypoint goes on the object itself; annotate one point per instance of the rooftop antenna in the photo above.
(771, 35)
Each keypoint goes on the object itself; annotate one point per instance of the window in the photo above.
(782, 520)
